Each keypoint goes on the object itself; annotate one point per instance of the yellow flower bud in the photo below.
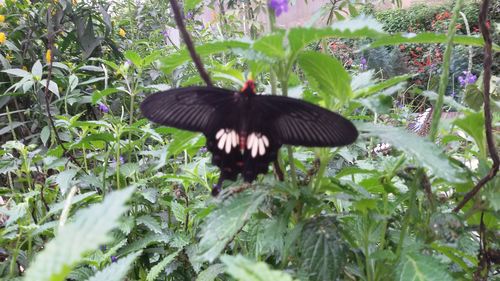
(3, 37)
(122, 32)
(24, 68)
(48, 56)
(2, 18)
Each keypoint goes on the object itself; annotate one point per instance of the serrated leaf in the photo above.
(134, 58)
(129, 169)
(326, 74)
(322, 249)
(116, 271)
(418, 267)
(156, 270)
(426, 153)
(244, 269)
(429, 37)
(89, 229)
(211, 272)
(78, 198)
(271, 45)
(173, 61)
(220, 227)
(150, 223)
(65, 179)
(145, 242)
(178, 210)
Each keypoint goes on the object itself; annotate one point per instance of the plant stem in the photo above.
(443, 82)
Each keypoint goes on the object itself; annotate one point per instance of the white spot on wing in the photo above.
(257, 144)
(227, 139)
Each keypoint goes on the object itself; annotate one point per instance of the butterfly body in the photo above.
(244, 131)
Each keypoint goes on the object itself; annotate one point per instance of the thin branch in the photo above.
(47, 95)
(189, 43)
(483, 14)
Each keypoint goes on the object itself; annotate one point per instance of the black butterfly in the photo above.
(244, 131)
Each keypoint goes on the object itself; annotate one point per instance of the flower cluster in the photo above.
(363, 64)
(467, 78)
(279, 6)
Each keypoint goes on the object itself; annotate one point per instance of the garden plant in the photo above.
(91, 189)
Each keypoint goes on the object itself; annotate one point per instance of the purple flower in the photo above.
(203, 149)
(189, 15)
(467, 78)
(102, 248)
(279, 6)
(363, 64)
(113, 162)
(114, 258)
(103, 108)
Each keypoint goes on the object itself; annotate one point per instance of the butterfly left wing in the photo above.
(191, 108)
(296, 122)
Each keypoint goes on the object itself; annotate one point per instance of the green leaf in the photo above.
(134, 58)
(173, 61)
(271, 45)
(211, 272)
(65, 179)
(52, 86)
(473, 125)
(418, 267)
(326, 74)
(178, 210)
(45, 134)
(191, 4)
(447, 100)
(220, 227)
(156, 270)
(116, 271)
(17, 72)
(426, 153)
(244, 269)
(98, 95)
(360, 27)
(429, 37)
(372, 89)
(322, 249)
(150, 223)
(89, 229)
(37, 69)
(55, 208)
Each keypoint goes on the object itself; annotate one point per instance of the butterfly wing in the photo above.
(296, 122)
(191, 108)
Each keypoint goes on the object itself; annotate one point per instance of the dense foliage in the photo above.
(91, 190)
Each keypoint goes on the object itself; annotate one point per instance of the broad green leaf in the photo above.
(17, 72)
(191, 4)
(417, 267)
(116, 271)
(57, 207)
(52, 86)
(134, 57)
(65, 179)
(150, 223)
(37, 69)
(211, 272)
(156, 270)
(14, 213)
(243, 269)
(173, 61)
(427, 38)
(426, 153)
(327, 75)
(88, 229)
(45, 134)
(323, 251)
(473, 125)
(361, 27)
(271, 45)
(98, 95)
(220, 227)
(178, 210)
(372, 89)
(144, 242)
(447, 100)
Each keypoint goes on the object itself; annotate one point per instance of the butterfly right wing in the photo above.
(191, 108)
